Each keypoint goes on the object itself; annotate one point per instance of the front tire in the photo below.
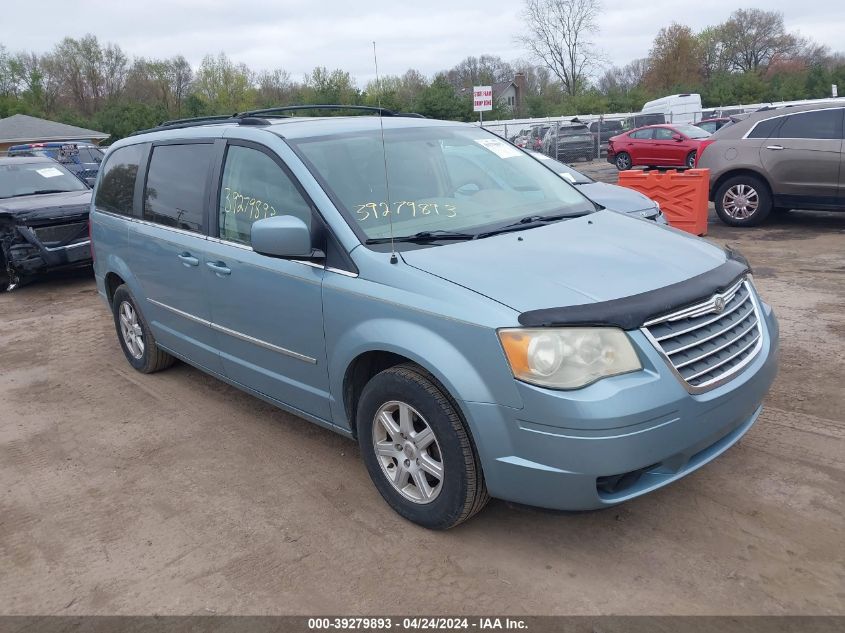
(417, 450)
(743, 201)
(690, 161)
(623, 161)
(135, 336)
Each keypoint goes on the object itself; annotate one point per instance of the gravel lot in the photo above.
(176, 494)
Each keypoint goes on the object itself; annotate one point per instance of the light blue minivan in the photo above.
(472, 319)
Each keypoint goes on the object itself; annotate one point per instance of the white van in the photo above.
(683, 108)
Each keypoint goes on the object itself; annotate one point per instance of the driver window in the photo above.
(662, 134)
(254, 187)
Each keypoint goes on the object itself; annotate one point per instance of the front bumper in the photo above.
(573, 150)
(28, 251)
(618, 438)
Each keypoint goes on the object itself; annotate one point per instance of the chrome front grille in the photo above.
(710, 342)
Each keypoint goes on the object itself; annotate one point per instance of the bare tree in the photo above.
(181, 77)
(625, 79)
(559, 35)
(274, 87)
(475, 71)
(755, 38)
(715, 56)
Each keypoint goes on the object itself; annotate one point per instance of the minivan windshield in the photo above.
(458, 180)
(28, 179)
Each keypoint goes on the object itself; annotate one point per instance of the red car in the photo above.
(656, 146)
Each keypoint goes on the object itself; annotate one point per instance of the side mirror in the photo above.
(677, 137)
(281, 236)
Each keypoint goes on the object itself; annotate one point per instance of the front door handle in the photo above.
(775, 147)
(188, 259)
(220, 269)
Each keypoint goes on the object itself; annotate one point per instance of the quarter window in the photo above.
(254, 187)
(765, 129)
(117, 184)
(819, 124)
(175, 192)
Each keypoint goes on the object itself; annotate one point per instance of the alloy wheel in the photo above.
(408, 452)
(130, 329)
(623, 162)
(740, 202)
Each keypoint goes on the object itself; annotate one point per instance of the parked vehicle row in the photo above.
(81, 159)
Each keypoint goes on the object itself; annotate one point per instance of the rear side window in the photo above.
(176, 182)
(765, 129)
(820, 124)
(117, 184)
(254, 187)
(641, 134)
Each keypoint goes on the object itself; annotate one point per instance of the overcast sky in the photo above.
(428, 35)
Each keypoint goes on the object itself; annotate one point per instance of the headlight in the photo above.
(568, 358)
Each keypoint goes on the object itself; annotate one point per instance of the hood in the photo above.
(597, 257)
(616, 198)
(50, 206)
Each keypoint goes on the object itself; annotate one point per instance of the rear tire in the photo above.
(135, 336)
(623, 161)
(404, 407)
(743, 201)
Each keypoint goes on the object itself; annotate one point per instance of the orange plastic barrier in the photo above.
(682, 195)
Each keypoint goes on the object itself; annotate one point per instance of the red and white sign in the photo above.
(482, 98)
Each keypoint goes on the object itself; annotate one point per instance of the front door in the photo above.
(642, 152)
(665, 149)
(267, 311)
(167, 251)
(803, 158)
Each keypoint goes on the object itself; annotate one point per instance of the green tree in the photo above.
(674, 63)
(227, 87)
(440, 101)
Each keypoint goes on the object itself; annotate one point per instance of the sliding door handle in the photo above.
(188, 259)
(220, 269)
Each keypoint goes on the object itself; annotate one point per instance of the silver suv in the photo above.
(776, 160)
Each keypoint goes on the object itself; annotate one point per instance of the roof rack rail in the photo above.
(259, 117)
(324, 106)
(199, 119)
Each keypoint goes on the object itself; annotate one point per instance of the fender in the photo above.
(115, 264)
(432, 351)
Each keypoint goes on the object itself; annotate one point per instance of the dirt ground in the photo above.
(176, 494)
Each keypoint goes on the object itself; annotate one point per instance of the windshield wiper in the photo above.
(41, 191)
(530, 222)
(424, 236)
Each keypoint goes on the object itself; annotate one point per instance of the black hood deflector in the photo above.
(632, 312)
